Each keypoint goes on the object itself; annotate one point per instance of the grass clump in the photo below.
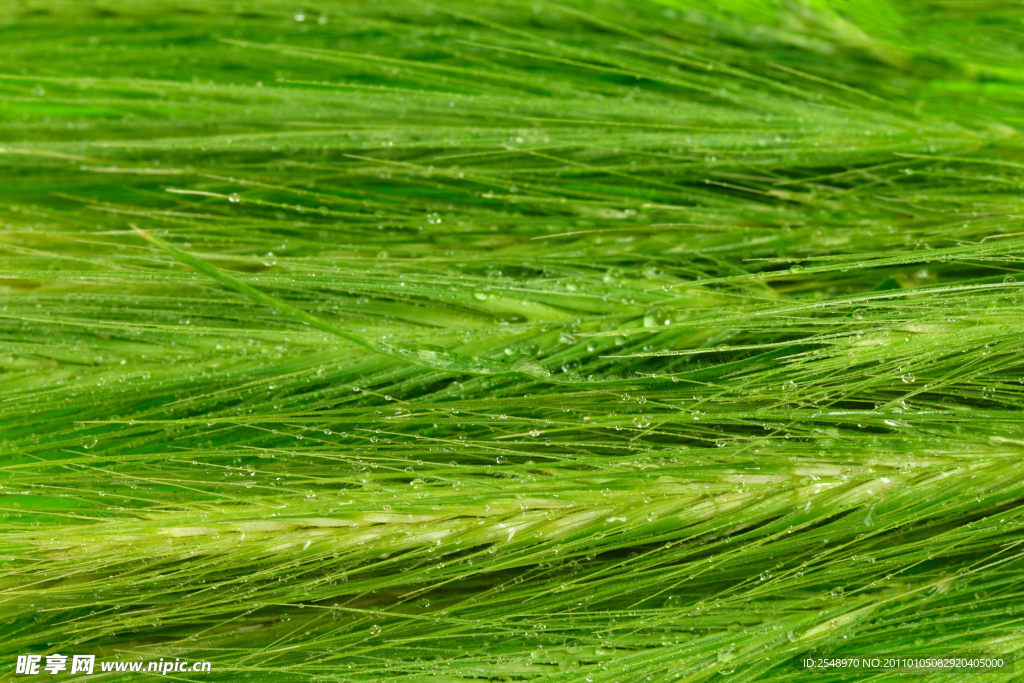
(595, 341)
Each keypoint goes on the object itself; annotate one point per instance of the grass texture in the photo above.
(457, 342)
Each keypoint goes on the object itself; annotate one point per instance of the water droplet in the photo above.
(1009, 280)
(908, 378)
(234, 198)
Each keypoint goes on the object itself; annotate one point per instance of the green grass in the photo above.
(597, 341)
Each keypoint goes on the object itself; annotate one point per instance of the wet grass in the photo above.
(583, 342)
